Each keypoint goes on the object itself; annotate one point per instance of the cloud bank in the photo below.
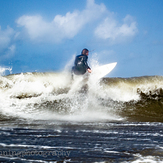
(34, 27)
(61, 27)
(69, 25)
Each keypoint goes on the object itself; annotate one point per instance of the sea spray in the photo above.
(51, 96)
(55, 96)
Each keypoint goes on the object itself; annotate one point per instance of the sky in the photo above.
(45, 35)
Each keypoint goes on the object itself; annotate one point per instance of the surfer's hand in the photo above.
(89, 70)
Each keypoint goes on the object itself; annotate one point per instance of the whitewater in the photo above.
(48, 117)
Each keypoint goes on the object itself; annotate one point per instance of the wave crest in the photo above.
(57, 96)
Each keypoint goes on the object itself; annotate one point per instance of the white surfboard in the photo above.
(101, 71)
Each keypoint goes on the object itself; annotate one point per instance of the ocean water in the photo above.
(48, 117)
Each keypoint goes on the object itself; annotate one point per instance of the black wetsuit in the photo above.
(81, 65)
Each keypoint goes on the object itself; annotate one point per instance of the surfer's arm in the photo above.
(86, 64)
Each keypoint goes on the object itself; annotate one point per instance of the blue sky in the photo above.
(44, 35)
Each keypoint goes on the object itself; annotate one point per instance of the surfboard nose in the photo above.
(101, 71)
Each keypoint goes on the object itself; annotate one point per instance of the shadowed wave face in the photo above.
(55, 96)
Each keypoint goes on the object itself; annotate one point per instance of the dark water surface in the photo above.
(43, 141)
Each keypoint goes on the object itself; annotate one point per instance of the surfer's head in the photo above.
(85, 51)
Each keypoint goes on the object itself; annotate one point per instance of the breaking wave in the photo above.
(55, 96)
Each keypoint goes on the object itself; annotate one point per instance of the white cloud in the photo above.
(60, 27)
(36, 27)
(7, 45)
(110, 29)
(6, 37)
(69, 25)
(10, 51)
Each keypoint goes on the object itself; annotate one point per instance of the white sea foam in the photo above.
(55, 96)
(147, 159)
(22, 92)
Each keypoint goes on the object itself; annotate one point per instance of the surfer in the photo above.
(81, 65)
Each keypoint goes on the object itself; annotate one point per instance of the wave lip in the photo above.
(141, 97)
